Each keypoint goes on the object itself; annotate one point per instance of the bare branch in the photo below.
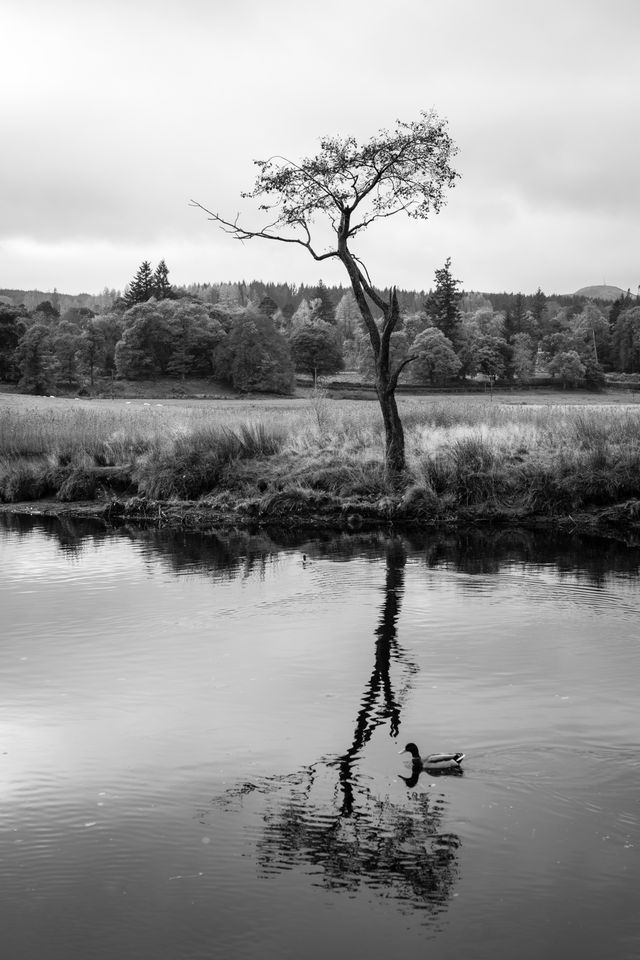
(367, 285)
(241, 233)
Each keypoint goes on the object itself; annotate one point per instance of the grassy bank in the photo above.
(278, 459)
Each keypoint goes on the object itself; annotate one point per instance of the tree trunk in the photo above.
(386, 382)
(395, 461)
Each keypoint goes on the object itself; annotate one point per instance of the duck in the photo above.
(435, 761)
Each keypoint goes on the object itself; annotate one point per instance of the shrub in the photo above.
(22, 481)
(296, 501)
(365, 479)
(80, 484)
(419, 501)
(193, 464)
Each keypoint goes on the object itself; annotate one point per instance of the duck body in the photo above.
(434, 761)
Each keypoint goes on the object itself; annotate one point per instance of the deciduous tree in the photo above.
(255, 356)
(109, 326)
(350, 186)
(591, 333)
(92, 347)
(145, 347)
(66, 345)
(626, 340)
(493, 357)
(13, 323)
(315, 350)
(437, 361)
(522, 357)
(568, 367)
(194, 337)
(36, 360)
(45, 312)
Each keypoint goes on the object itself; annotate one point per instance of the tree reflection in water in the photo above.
(350, 838)
(470, 550)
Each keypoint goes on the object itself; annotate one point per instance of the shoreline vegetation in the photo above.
(520, 459)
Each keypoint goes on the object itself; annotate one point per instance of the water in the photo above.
(199, 745)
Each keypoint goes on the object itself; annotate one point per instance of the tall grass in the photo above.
(190, 465)
(462, 452)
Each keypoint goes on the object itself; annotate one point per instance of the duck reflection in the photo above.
(347, 836)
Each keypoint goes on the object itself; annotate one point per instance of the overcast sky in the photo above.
(113, 114)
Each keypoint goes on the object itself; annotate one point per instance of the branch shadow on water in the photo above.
(326, 819)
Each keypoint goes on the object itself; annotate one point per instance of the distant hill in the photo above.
(601, 292)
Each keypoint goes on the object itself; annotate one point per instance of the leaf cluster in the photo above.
(403, 170)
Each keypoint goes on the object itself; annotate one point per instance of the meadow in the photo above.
(506, 457)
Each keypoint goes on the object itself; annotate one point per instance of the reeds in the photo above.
(461, 453)
(193, 464)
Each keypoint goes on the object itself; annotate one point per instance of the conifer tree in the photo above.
(514, 317)
(323, 306)
(268, 306)
(443, 303)
(539, 312)
(623, 302)
(162, 289)
(141, 287)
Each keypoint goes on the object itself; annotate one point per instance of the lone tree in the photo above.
(348, 186)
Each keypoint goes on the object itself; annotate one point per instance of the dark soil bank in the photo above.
(324, 511)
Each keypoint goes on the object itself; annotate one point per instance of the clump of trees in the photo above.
(177, 336)
(148, 284)
(256, 336)
(254, 356)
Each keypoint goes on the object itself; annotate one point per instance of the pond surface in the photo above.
(199, 746)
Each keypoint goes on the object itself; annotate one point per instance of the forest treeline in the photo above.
(256, 336)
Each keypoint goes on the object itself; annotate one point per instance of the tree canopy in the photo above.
(314, 349)
(254, 356)
(437, 361)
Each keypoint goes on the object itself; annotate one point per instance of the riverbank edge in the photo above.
(620, 521)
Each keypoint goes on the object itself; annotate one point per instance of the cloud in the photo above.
(120, 113)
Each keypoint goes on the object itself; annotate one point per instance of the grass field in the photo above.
(543, 452)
